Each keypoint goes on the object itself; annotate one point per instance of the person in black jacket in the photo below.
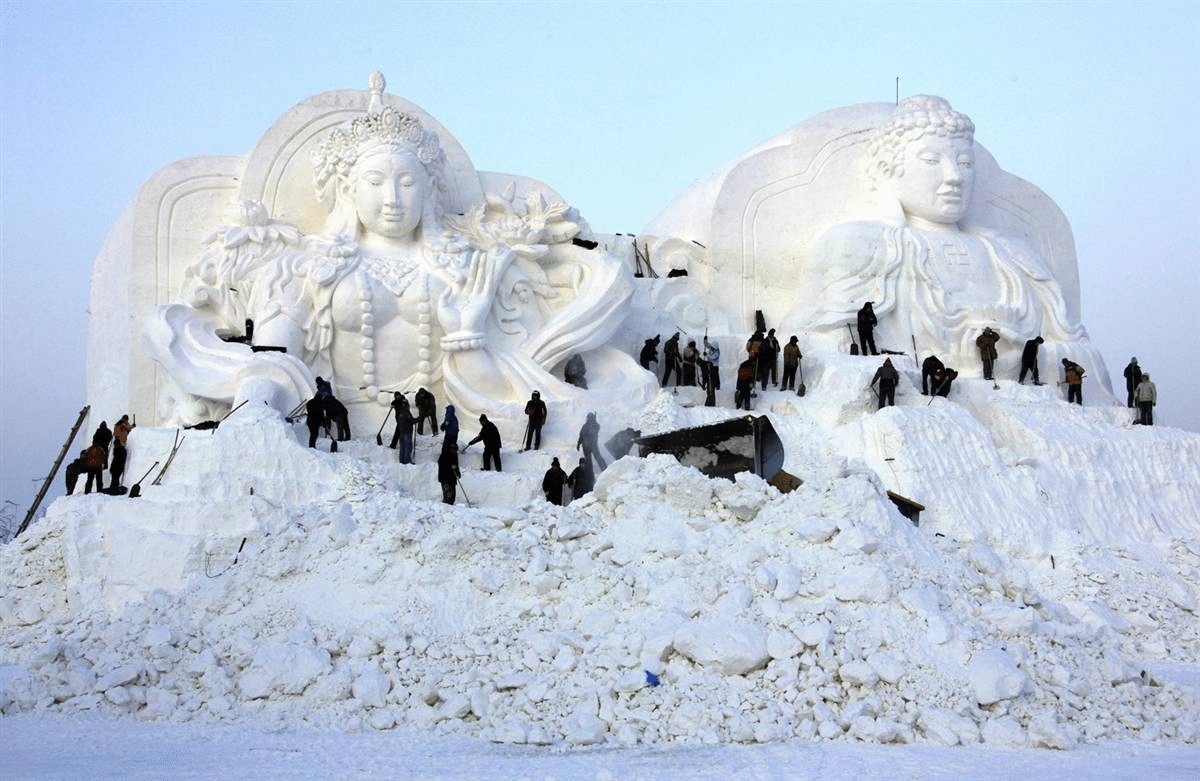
(74, 470)
(103, 436)
(336, 413)
(314, 417)
(649, 353)
(553, 482)
(490, 436)
(535, 410)
(575, 372)
(426, 409)
(866, 328)
(1029, 360)
(932, 373)
(887, 377)
(581, 480)
(589, 441)
(448, 473)
(671, 361)
(1133, 376)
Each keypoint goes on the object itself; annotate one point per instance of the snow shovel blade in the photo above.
(136, 491)
(803, 390)
(333, 446)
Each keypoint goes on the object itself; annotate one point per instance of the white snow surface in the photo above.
(1047, 600)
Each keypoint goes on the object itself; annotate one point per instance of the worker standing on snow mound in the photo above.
(336, 413)
(448, 473)
(74, 470)
(575, 372)
(866, 328)
(986, 342)
(933, 371)
(773, 350)
(120, 437)
(314, 417)
(402, 440)
(1029, 360)
(691, 360)
(671, 360)
(1146, 396)
(887, 377)
(589, 441)
(1133, 377)
(490, 436)
(1073, 373)
(712, 365)
(745, 383)
(582, 479)
(450, 428)
(103, 437)
(649, 353)
(94, 462)
(426, 409)
(553, 482)
(791, 361)
(535, 410)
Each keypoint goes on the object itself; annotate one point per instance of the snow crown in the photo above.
(381, 126)
(913, 118)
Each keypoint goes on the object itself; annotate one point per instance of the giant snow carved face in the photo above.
(390, 187)
(938, 179)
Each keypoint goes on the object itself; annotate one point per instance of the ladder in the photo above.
(41, 494)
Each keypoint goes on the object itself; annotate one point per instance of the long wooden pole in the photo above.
(37, 500)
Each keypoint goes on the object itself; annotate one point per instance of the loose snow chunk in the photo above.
(1004, 731)
(729, 647)
(947, 727)
(817, 529)
(1046, 732)
(371, 687)
(858, 673)
(887, 667)
(862, 583)
(283, 667)
(994, 676)
(783, 644)
(816, 633)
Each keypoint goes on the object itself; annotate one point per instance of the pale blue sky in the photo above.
(617, 106)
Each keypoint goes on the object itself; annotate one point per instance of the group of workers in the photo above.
(94, 459)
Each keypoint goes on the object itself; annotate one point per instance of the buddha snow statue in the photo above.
(932, 276)
(394, 295)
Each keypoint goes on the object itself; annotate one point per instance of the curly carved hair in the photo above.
(915, 117)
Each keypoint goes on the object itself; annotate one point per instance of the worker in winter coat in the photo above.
(886, 376)
(791, 362)
(448, 473)
(691, 361)
(1029, 360)
(450, 428)
(712, 364)
(314, 417)
(932, 373)
(589, 441)
(575, 372)
(490, 436)
(1146, 396)
(116, 467)
(671, 362)
(553, 482)
(402, 437)
(336, 413)
(535, 411)
(771, 343)
(122, 429)
(986, 342)
(1133, 377)
(103, 437)
(745, 382)
(94, 462)
(74, 470)
(866, 328)
(649, 352)
(582, 479)
(1073, 373)
(426, 410)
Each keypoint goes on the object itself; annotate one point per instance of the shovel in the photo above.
(803, 388)
(466, 498)
(379, 434)
(136, 490)
(853, 344)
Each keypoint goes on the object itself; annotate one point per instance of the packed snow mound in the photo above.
(663, 607)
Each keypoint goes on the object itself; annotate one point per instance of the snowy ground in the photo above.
(42, 747)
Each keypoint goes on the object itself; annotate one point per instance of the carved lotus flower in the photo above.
(528, 227)
(252, 223)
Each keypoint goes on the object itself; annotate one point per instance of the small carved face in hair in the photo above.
(389, 188)
(938, 178)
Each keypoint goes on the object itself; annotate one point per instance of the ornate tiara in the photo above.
(382, 125)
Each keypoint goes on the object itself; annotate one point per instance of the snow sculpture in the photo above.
(931, 278)
(395, 293)
(892, 204)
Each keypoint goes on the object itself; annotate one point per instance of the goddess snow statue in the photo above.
(394, 295)
(932, 277)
